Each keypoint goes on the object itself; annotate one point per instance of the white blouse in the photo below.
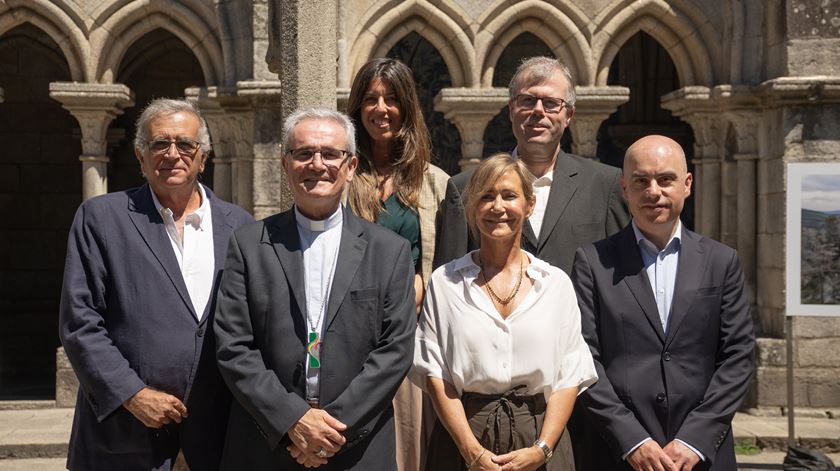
(463, 340)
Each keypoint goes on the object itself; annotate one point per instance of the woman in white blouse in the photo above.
(499, 347)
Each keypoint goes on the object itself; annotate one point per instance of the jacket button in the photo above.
(200, 332)
(667, 356)
(660, 397)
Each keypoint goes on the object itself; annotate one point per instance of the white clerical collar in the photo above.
(322, 225)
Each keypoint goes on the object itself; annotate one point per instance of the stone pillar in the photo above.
(594, 105)
(470, 109)
(94, 106)
(693, 105)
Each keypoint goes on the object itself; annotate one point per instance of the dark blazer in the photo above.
(126, 321)
(367, 347)
(686, 383)
(584, 205)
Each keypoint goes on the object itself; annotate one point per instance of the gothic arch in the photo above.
(557, 30)
(57, 25)
(685, 37)
(385, 27)
(133, 21)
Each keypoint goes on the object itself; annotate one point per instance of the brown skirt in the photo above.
(501, 423)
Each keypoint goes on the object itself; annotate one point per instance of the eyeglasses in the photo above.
(550, 104)
(184, 146)
(330, 157)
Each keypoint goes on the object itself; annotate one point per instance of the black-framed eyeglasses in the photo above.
(329, 156)
(183, 145)
(550, 104)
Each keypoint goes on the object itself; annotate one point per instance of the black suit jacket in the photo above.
(584, 205)
(367, 347)
(126, 321)
(686, 383)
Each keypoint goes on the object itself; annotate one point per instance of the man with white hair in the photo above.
(316, 317)
(137, 306)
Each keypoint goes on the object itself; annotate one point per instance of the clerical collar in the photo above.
(321, 225)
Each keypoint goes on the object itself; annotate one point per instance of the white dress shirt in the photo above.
(196, 252)
(319, 241)
(463, 339)
(661, 269)
(542, 189)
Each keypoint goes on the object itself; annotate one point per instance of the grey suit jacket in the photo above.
(686, 383)
(126, 321)
(584, 205)
(366, 351)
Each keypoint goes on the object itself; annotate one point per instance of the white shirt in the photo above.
(542, 188)
(196, 252)
(463, 340)
(319, 241)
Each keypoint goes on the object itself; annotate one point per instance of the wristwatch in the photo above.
(542, 445)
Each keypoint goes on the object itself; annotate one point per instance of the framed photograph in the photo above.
(813, 239)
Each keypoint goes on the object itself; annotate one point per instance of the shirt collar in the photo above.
(643, 241)
(322, 225)
(544, 180)
(196, 218)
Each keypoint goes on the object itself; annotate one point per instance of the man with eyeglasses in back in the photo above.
(315, 320)
(578, 200)
(137, 306)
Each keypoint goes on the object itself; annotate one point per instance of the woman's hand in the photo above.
(523, 459)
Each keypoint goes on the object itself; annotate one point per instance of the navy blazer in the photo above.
(126, 322)
(685, 383)
(367, 347)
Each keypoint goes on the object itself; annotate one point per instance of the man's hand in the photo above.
(316, 432)
(650, 457)
(684, 458)
(305, 459)
(155, 408)
(523, 459)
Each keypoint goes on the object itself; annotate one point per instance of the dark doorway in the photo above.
(431, 75)
(158, 65)
(645, 67)
(40, 189)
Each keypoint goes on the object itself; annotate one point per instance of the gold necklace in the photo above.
(513, 293)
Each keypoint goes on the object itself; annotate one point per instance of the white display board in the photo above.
(813, 239)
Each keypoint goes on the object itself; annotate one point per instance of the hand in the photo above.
(306, 459)
(317, 430)
(484, 462)
(526, 459)
(650, 457)
(684, 458)
(155, 408)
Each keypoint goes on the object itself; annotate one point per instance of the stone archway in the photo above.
(40, 186)
(157, 65)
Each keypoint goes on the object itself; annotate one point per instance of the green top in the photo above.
(403, 221)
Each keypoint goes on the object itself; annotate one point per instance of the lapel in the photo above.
(563, 188)
(148, 222)
(632, 270)
(351, 250)
(690, 271)
(221, 235)
(282, 234)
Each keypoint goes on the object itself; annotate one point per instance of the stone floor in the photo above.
(36, 439)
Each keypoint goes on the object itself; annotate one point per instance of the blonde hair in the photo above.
(412, 149)
(485, 176)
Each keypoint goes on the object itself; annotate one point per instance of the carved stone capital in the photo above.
(593, 106)
(93, 105)
(470, 109)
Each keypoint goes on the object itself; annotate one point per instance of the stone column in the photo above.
(594, 105)
(94, 106)
(694, 106)
(470, 109)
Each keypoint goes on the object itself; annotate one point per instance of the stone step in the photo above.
(34, 433)
(771, 433)
(33, 464)
(767, 460)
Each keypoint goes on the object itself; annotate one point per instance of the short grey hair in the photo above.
(539, 69)
(324, 114)
(163, 106)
